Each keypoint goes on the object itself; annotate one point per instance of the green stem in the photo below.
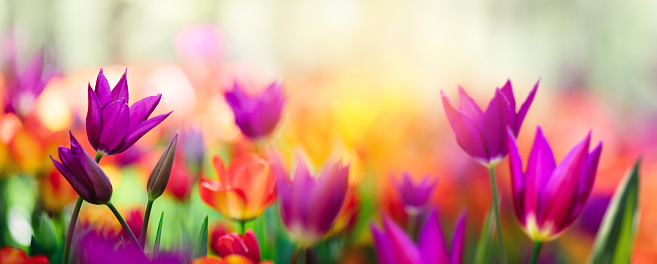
(301, 256)
(71, 228)
(74, 220)
(144, 226)
(410, 225)
(498, 221)
(536, 251)
(243, 226)
(125, 226)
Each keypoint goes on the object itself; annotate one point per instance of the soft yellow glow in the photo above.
(536, 233)
(53, 110)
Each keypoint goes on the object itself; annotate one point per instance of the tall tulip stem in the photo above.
(144, 226)
(125, 226)
(243, 226)
(496, 206)
(536, 251)
(74, 220)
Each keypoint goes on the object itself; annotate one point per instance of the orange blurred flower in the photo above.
(10, 255)
(56, 192)
(243, 191)
(232, 259)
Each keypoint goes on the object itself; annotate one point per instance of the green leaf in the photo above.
(483, 245)
(615, 238)
(156, 247)
(201, 247)
(44, 240)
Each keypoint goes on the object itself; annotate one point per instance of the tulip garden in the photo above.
(205, 160)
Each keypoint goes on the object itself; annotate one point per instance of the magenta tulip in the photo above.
(547, 198)
(483, 134)
(414, 195)
(257, 116)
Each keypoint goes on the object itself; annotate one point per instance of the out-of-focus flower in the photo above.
(232, 259)
(202, 42)
(243, 191)
(193, 148)
(310, 205)
(217, 231)
(83, 173)
(483, 134)
(256, 116)
(112, 126)
(159, 178)
(56, 192)
(394, 246)
(95, 249)
(135, 220)
(11, 255)
(25, 85)
(414, 196)
(547, 198)
(234, 244)
(346, 221)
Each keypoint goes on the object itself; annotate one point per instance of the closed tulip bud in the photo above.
(83, 173)
(159, 178)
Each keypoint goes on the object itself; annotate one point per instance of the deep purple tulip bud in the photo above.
(547, 197)
(394, 246)
(159, 178)
(112, 126)
(256, 116)
(483, 134)
(310, 205)
(414, 196)
(83, 173)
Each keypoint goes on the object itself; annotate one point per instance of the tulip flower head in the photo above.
(243, 191)
(83, 173)
(547, 198)
(394, 246)
(310, 205)
(414, 195)
(11, 255)
(256, 116)
(24, 86)
(483, 134)
(112, 126)
(234, 244)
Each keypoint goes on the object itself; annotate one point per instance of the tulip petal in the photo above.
(540, 168)
(230, 203)
(94, 118)
(251, 243)
(115, 126)
(584, 187)
(70, 177)
(431, 242)
(383, 248)
(303, 184)
(468, 135)
(99, 180)
(218, 165)
(103, 90)
(404, 250)
(120, 91)
(140, 130)
(468, 107)
(142, 109)
(561, 189)
(507, 91)
(329, 195)
(497, 118)
(518, 185)
(520, 117)
(458, 240)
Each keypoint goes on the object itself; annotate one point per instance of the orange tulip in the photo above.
(232, 259)
(10, 255)
(56, 192)
(243, 191)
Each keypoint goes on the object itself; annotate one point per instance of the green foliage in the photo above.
(615, 239)
(156, 246)
(483, 245)
(201, 247)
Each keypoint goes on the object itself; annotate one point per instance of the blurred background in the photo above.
(363, 80)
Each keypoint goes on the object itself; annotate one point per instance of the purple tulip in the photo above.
(83, 173)
(92, 248)
(310, 205)
(483, 134)
(414, 196)
(112, 126)
(24, 86)
(193, 148)
(256, 116)
(547, 197)
(394, 246)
